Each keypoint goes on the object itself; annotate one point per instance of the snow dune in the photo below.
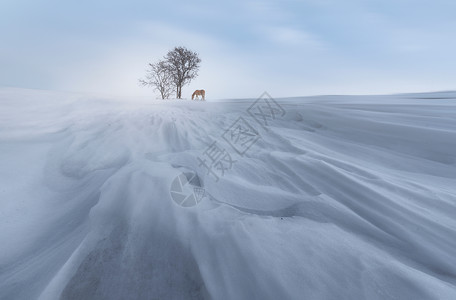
(343, 197)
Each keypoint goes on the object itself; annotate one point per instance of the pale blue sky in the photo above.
(289, 48)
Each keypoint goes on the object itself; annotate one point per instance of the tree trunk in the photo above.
(179, 92)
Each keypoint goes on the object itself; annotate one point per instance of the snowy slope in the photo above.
(340, 198)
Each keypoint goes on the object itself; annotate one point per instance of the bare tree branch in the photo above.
(159, 77)
(183, 65)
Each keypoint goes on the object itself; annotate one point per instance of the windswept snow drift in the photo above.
(340, 198)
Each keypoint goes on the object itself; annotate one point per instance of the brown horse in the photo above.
(197, 93)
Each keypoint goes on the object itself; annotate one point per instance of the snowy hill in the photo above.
(331, 197)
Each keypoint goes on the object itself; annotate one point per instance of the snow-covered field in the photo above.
(339, 198)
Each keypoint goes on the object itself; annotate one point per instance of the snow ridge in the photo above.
(341, 198)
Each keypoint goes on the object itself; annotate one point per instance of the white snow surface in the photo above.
(343, 197)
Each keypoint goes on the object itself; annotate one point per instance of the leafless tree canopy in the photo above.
(159, 77)
(169, 75)
(183, 66)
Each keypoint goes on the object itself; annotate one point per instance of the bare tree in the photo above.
(183, 65)
(159, 76)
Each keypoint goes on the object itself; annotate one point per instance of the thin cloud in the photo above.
(298, 47)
